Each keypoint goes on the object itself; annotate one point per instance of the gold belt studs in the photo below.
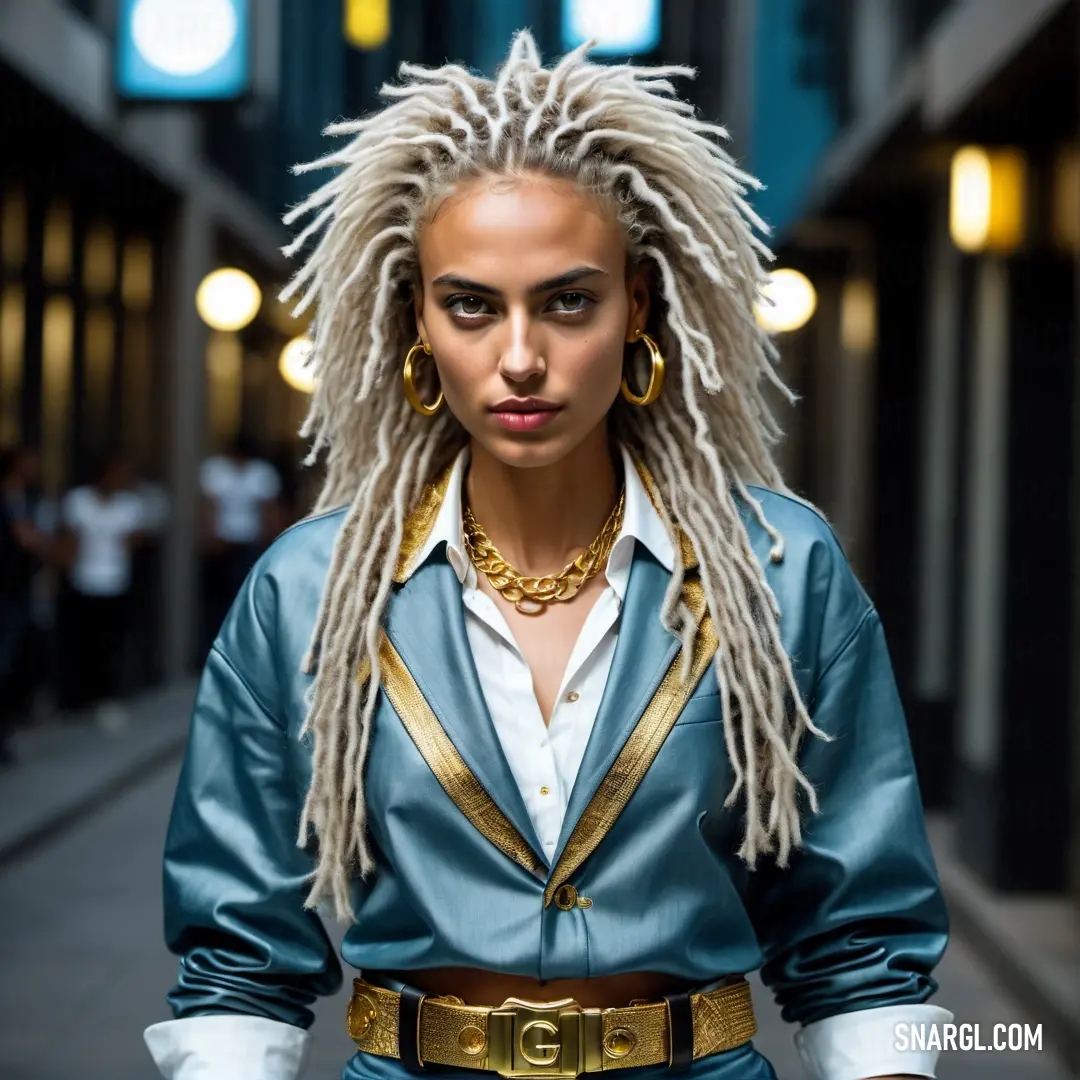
(472, 1041)
(362, 1015)
(619, 1042)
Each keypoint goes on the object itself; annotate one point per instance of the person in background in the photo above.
(100, 524)
(240, 515)
(23, 546)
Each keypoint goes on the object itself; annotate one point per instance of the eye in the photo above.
(463, 304)
(572, 303)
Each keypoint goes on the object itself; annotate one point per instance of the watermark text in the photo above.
(997, 1037)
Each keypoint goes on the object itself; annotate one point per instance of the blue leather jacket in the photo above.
(856, 921)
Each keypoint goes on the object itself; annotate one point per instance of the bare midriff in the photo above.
(477, 987)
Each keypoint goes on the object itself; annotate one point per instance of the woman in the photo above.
(569, 700)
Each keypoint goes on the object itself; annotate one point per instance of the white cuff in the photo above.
(869, 1043)
(228, 1047)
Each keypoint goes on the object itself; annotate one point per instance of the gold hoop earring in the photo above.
(410, 386)
(656, 376)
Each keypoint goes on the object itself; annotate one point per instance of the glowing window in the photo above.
(12, 333)
(13, 230)
(58, 332)
(99, 260)
(57, 254)
(137, 285)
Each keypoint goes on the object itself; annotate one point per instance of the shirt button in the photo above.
(545, 790)
(572, 696)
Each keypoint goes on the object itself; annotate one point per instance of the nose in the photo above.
(522, 357)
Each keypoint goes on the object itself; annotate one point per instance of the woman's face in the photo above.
(526, 302)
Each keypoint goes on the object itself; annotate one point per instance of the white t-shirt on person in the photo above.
(238, 490)
(102, 525)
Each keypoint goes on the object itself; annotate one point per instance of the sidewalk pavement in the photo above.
(1030, 942)
(68, 770)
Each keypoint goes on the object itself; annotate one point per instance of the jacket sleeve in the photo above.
(857, 922)
(234, 879)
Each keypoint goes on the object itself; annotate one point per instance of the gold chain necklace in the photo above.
(531, 595)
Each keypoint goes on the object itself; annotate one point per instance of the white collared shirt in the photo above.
(544, 762)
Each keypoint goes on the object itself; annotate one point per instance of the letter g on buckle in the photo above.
(534, 1051)
(556, 1039)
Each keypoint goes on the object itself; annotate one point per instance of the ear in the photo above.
(418, 310)
(639, 297)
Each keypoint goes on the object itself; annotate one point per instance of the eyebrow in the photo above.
(568, 278)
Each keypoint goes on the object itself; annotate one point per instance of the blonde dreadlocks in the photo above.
(622, 134)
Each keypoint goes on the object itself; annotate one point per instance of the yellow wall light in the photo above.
(228, 299)
(1065, 211)
(987, 192)
(367, 23)
(788, 301)
(293, 365)
(858, 316)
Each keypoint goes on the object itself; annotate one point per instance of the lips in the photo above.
(525, 414)
(524, 405)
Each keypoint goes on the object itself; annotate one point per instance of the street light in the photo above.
(293, 365)
(986, 199)
(228, 299)
(793, 301)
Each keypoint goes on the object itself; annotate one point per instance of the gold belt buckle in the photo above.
(557, 1039)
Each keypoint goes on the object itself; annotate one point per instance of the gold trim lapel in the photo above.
(455, 777)
(684, 545)
(641, 748)
(419, 523)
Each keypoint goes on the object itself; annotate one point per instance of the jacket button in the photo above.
(565, 897)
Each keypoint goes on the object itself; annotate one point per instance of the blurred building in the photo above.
(111, 214)
(922, 159)
(938, 427)
(113, 211)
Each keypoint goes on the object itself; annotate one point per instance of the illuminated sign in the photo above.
(183, 50)
(620, 26)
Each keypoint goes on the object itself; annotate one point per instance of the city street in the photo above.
(85, 972)
(849, 234)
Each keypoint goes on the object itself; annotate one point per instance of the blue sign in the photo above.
(621, 27)
(183, 50)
